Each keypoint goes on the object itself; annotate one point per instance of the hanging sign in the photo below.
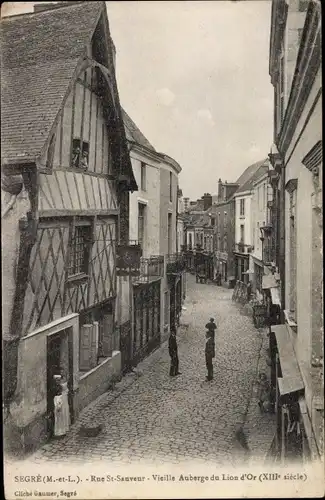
(128, 260)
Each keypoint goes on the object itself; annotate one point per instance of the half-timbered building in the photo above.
(66, 209)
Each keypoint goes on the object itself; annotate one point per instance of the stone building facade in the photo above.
(297, 342)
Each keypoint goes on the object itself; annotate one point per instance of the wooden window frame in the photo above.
(142, 206)
(83, 275)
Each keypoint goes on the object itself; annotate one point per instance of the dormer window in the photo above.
(80, 154)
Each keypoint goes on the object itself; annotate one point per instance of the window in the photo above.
(141, 223)
(169, 233)
(242, 207)
(170, 186)
(225, 220)
(303, 5)
(218, 243)
(143, 177)
(190, 241)
(242, 233)
(213, 221)
(79, 250)
(80, 154)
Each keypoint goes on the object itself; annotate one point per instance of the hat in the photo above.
(57, 377)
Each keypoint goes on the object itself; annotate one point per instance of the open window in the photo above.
(80, 154)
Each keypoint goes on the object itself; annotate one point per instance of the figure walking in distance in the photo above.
(173, 352)
(211, 326)
(209, 354)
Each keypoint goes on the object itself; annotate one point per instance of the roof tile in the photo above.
(133, 133)
(40, 52)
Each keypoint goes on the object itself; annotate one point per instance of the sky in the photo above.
(193, 75)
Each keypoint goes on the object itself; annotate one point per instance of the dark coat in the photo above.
(210, 348)
(211, 327)
(172, 345)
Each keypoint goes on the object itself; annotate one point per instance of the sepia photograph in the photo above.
(162, 249)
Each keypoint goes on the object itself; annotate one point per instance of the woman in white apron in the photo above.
(61, 408)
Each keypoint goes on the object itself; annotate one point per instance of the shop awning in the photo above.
(291, 380)
(269, 281)
(275, 295)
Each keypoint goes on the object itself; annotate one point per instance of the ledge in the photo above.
(291, 380)
(290, 322)
(77, 279)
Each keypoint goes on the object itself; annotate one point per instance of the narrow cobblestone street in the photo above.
(152, 417)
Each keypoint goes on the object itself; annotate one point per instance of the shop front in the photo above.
(204, 265)
(146, 319)
(176, 279)
(241, 267)
(294, 441)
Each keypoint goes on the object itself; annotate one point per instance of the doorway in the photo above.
(59, 358)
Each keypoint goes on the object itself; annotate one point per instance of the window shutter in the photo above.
(94, 344)
(85, 347)
(108, 326)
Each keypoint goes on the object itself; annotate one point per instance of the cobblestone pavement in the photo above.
(150, 417)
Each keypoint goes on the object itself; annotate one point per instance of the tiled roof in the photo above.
(40, 52)
(133, 133)
(52, 35)
(30, 100)
(259, 169)
(245, 178)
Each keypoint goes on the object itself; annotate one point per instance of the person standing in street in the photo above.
(211, 326)
(173, 352)
(209, 354)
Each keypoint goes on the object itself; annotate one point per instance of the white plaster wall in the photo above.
(246, 220)
(167, 207)
(259, 215)
(151, 198)
(296, 170)
(295, 21)
(180, 234)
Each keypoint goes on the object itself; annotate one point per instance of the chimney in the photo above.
(220, 189)
(207, 201)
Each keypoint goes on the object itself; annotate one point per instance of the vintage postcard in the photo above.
(161, 213)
